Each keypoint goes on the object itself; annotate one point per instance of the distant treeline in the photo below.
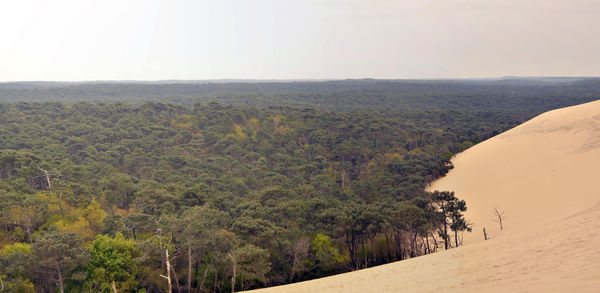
(510, 94)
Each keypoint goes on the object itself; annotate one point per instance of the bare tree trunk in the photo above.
(114, 286)
(189, 276)
(216, 278)
(445, 232)
(387, 245)
(362, 243)
(234, 274)
(204, 278)
(399, 255)
(484, 234)
(350, 245)
(294, 264)
(413, 245)
(435, 244)
(60, 279)
(373, 250)
(168, 270)
(456, 237)
(500, 215)
(47, 178)
(28, 224)
(176, 280)
(242, 282)
(47, 175)
(163, 258)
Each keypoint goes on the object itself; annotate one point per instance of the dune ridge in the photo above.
(543, 174)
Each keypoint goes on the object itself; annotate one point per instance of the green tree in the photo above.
(451, 209)
(27, 209)
(59, 257)
(459, 223)
(250, 264)
(119, 189)
(327, 257)
(197, 229)
(15, 260)
(112, 259)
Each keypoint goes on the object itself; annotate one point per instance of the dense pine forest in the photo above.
(238, 186)
(525, 95)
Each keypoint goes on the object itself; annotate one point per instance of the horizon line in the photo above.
(284, 80)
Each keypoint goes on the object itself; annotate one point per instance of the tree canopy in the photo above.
(219, 197)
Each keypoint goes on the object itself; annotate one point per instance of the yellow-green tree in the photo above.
(112, 259)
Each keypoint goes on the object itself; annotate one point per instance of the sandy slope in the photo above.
(561, 257)
(539, 171)
(544, 174)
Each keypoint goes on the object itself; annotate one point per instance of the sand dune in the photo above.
(561, 257)
(539, 171)
(544, 175)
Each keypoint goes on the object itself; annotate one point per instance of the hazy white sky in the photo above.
(286, 39)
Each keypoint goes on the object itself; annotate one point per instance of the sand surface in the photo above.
(542, 170)
(560, 257)
(545, 175)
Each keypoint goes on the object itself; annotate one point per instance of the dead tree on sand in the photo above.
(499, 217)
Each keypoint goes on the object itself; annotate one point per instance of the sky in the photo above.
(297, 39)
